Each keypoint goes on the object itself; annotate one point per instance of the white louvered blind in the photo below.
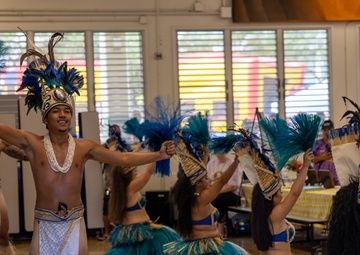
(201, 67)
(307, 72)
(72, 50)
(255, 74)
(119, 78)
(10, 78)
(276, 71)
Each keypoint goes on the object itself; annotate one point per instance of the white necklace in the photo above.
(51, 155)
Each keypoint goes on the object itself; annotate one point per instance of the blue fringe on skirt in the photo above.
(207, 246)
(139, 239)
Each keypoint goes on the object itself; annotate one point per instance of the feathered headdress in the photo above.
(289, 139)
(266, 173)
(164, 120)
(345, 147)
(133, 127)
(197, 129)
(49, 83)
(115, 142)
(193, 166)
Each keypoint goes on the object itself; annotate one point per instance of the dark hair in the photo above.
(344, 221)
(261, 209)
(327, 124)
(183, 197)
(118, 195)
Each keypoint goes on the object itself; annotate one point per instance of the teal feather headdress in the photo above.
(49, 83)
(164, 120)
(190, 160)
(292, 138)
(345, 147)
(197, 129)
(266, 172)
(132, 127)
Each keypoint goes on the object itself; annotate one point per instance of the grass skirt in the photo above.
(7, 250)
(140, 239)
(207, 246)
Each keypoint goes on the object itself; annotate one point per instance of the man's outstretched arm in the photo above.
(12, 151)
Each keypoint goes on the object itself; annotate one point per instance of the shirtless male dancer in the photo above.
(57, 159)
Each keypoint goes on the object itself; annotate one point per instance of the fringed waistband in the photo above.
(199, 246)
(48, 215)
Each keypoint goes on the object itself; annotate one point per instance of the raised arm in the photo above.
(208, 195)
(13, 136)
(282, 210)
(139, 182)
(99, 153)
(12, 151)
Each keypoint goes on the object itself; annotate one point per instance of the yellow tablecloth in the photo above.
(315, 203)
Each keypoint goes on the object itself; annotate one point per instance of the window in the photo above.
(274, 71)
(202, 83)
(10, 79)
(119, 78)
(306, 72)
(254, 74)
(118, 71)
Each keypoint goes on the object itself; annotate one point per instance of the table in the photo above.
(314, 202)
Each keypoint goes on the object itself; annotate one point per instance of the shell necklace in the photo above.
(51, 155)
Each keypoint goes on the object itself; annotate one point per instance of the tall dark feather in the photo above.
(164, 120)
(224, 144)
(355, 118)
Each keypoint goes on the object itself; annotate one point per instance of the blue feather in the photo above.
(132, 127)
(224, 144)
(294, 138)
(44, 72)
(198, 130)
(161, 126)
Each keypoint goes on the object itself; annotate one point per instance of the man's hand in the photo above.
(167, 149)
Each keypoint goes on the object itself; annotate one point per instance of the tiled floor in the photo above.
(100, 247)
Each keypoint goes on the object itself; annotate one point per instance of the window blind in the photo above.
(119, 78)
(201, 67)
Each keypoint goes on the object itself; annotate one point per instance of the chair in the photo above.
(313, 177)
(326, 179)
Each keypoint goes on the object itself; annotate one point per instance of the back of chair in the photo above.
(313, 177)
(326, 179)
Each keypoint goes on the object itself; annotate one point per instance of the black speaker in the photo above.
(159, 206)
